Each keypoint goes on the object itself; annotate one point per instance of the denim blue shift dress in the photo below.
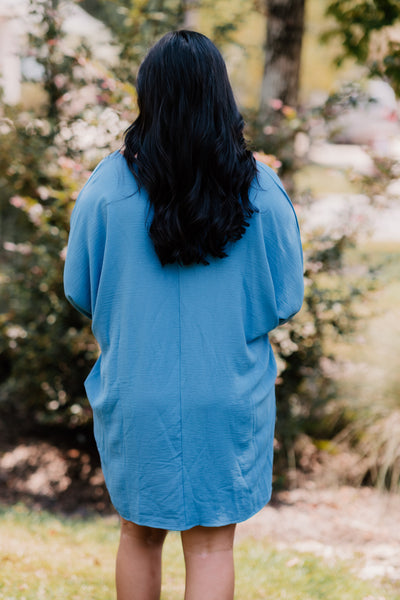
(183, 391)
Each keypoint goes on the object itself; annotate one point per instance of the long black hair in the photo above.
(187, 149)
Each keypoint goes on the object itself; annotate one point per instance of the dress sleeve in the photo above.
(85, 251)
(284, 250)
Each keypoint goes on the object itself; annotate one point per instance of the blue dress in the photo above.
(183, 391)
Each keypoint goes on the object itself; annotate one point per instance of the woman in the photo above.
(185, 253)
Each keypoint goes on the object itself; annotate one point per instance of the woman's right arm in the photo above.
(85, 250)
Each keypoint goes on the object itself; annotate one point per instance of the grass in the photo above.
(44, 557)
(374, 348)
(368, 377)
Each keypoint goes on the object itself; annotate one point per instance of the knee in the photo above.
(147, 536)
(204, 541)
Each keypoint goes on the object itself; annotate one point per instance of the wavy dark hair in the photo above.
(187, 149)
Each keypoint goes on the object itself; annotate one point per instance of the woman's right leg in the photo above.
(208, 553)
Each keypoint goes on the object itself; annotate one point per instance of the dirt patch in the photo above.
(361, 525)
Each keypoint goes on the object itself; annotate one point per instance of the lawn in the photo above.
(374, 379)
(46, 557)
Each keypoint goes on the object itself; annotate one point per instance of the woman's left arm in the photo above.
(284, 251)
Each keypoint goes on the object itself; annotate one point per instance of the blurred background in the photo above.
(318, 83)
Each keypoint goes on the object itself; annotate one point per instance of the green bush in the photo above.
(46, 348)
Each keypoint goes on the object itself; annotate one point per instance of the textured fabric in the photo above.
(183, 391)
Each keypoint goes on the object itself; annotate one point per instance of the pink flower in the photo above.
(17, 201)
(268, 159)
(276, 104)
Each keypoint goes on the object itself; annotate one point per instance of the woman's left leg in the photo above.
(138, 568)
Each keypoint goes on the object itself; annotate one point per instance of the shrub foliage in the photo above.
(46, 348)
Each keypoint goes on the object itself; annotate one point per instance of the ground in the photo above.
(344, 522)
(340, 522)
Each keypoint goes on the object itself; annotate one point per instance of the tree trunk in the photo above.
(190, 20)
(285, 27)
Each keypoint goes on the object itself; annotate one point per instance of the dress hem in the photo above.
(163, 524)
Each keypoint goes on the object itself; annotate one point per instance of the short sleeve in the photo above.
(283, 248)
(85, 251)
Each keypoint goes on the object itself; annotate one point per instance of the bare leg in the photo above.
(138, 569)
(209, 564)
